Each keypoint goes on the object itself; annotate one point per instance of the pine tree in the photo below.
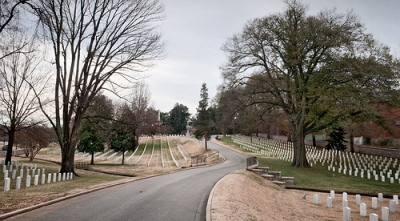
(202, 123)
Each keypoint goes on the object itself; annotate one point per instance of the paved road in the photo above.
(178, 196)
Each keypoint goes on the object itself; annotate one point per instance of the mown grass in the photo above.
(320, 178)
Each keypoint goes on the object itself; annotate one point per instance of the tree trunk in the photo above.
(68, 158)
(299, 149)
(11, 136)
(205, 143)
(92, 159)
(351, 140)
(289, 138)
(123, 157)
(314, 142)
(31, 154)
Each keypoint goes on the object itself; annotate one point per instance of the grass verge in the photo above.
(319, 178)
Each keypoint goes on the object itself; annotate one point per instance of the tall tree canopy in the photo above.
(313, 68)
(178, 118)
(95, 45)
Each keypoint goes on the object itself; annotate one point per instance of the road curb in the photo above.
(209, 201)
(27, 209)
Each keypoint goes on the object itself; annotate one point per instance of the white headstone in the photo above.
(380, 197)
(59, 177)
(329, 202)
(332, 194)
(315, 198)
(6, 184)
(392, 206)
(346, 214)
(36, 180)
(49, 178)
(363, 209)
(373, 217)
(358, 199)
(345, 203)
(14, 174)
(43, 178)
(54, 177)
(374, 202)
(344, 196)
(18, 184)
(396, 199)
(28, 181)
(385, 213)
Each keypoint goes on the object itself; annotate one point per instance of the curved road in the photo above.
(178, 196)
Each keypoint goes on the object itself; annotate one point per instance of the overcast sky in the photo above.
(195, 30)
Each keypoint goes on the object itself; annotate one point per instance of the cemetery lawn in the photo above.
(25, 197)
(319, 178)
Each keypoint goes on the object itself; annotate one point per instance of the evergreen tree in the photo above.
(203, 122)
(336, 139)
(178, 117)
(90, 142)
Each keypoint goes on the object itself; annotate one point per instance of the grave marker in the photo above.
(385, 213)
(374, 202)
(363, 209)
(329, 202)
(346, 214)
(18, 184)
(7, 185)
(392, 206)
(358, 199)
(373, 217)
(380, 197)
(315, 198)
(28, 181)
(36, 180)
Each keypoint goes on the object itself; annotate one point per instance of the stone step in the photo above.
(277, 174)
(279, 183)
(256, 171)
(265, 169)
(268, 176)
(288, 180)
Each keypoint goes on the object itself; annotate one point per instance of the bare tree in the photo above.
(123, 135)
(307, 66)
(140, 102)
(17, 72)
(94, 43)
(33, 139)
(9, 16)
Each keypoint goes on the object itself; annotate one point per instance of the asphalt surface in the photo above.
(178, 196)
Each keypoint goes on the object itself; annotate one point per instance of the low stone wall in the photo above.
(380, 151)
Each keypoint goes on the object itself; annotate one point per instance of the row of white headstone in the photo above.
(355, 164)
(32, 172)
(113, 155)
(363, 206)
(55, 177)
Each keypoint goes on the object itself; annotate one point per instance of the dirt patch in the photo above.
(243, 195)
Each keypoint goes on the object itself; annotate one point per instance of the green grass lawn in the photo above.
(320, 178)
